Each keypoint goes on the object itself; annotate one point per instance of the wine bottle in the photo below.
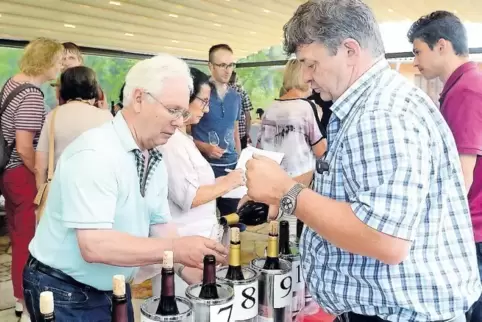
(209, 289)
(251, 214)
(299, 229)
(167, 302)
(284, 238)
(119, 299)
(235, 273)
(272, 258)
(47, 306)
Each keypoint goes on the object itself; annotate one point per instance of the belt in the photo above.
(33, 263)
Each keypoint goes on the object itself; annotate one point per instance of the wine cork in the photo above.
(168, 259)
(119, 285)
(273, 228)
(46, 302)
(235, 235)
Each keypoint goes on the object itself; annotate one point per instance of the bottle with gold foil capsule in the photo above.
(119, 299)
(244, 281)
(272, 254)
(250, 214)
(275, 295)
(235, 273)
(47, 306)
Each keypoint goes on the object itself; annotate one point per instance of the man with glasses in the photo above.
(217, 134)
(109, 194)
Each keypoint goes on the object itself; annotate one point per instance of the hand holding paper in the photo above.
(246, 155)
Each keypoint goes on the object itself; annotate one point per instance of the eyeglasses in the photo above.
(225, 66)
(205, 103)
(176, 113)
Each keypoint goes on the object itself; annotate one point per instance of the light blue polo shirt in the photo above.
(96, 186)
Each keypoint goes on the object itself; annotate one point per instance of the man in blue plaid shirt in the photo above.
(388, 235)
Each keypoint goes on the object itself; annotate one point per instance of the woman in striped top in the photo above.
(21, 123)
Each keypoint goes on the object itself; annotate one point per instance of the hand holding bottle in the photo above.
(272, 212)
(190, 250)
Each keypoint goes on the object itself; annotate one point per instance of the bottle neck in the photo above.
(284, 241)
(272, 246)
(229, 220)
(235, 254)
(209, 274)
(167, 282)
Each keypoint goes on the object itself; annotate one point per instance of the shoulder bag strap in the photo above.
(317, 117)
(17, 90)
(50, 170)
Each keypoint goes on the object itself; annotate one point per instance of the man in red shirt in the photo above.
(441, 50)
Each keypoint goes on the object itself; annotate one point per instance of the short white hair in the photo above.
(153, 73)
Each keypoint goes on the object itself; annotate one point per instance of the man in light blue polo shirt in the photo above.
(109, 191)
(217, 133)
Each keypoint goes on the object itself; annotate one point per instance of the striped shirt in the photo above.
(246, 108)
(25, 112)
(398, 168)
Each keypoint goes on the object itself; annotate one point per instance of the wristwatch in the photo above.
(288, 202)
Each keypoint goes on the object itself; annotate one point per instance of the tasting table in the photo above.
(253, 237)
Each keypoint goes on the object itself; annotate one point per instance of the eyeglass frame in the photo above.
(175, 113)
(205, 103)
(224, 66)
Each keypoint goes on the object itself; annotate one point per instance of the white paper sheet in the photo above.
(246, 155)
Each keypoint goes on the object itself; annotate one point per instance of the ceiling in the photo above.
(185, 28)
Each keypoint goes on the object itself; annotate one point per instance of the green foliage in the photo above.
(261, 83)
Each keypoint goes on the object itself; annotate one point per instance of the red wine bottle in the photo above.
(47, 307)
(209, 289)
(251, 214)
(235, 273)
(167, 303)
(119, 299)
(284, 238)
(272, 259)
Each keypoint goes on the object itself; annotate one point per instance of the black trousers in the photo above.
(244, 142)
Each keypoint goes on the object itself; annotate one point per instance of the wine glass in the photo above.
(229, 138)
(213, 138)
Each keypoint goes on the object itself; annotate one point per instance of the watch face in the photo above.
(287, 205)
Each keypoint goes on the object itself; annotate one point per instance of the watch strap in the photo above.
(292, 196)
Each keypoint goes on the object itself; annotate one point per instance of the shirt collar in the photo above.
(126, 138)
(124, 133)
(462, 69)
(342, 106)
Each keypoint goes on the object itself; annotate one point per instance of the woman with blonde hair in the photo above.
(291, 125)
(22, 117)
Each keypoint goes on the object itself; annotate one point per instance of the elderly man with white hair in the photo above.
(108, 195)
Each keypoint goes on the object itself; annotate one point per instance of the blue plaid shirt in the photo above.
(398, 168)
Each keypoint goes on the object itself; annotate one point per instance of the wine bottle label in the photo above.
(246, 301)
(283, 290)
(222, 312)
(298, 282)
